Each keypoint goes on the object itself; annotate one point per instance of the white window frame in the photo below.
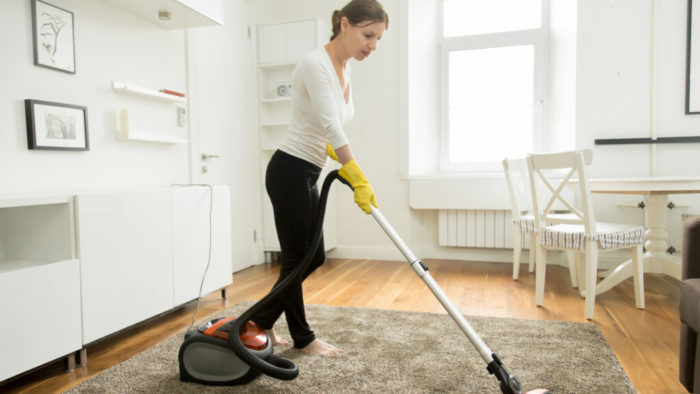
(539, 38)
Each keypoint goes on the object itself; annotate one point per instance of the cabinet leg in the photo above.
(69, 362)
(224, 293)
(81, 355)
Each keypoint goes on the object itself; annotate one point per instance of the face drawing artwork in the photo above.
(51, 26)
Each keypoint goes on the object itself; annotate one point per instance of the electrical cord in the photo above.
(206, 268)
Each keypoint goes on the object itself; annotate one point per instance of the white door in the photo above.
(223, 143)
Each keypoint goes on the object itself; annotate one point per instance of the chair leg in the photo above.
(533, 252)
(638, 267)
(541, 255)
(571, 256)
(590, 279)
(580, 273)
(517, 248)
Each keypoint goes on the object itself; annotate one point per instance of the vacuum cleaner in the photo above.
(233, 351)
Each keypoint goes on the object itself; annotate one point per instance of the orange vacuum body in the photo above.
(205, 355)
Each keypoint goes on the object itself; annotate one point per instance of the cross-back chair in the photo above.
(519, 193)
(579, 233)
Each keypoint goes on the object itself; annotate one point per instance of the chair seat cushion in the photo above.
(527, 221)
(689, 307)
(608, 235)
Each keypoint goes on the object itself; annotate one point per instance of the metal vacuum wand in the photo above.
(509, 383)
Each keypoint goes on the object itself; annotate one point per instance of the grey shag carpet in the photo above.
(402, 352)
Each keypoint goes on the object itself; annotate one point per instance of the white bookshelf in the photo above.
(279, 47)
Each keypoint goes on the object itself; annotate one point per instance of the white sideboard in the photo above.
(191, 228)
(39, 282)
(78, 267)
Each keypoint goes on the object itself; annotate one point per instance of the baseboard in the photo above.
(429, 252)
(360, 253)
(606, 260)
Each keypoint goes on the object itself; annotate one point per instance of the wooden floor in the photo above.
(645, 341)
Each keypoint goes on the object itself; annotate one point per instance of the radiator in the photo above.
(483, 228)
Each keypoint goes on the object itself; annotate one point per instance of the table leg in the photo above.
(656, 259)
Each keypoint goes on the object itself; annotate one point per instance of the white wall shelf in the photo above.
(276, 100)
(153, 137)
(275, 124)
(277, 65)
(128, 88)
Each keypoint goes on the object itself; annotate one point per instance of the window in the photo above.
(492, 84)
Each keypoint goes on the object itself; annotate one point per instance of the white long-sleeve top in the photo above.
(319, 109)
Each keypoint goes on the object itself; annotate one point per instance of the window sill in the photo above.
(458, 191)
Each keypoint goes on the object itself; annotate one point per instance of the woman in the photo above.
(321, 106)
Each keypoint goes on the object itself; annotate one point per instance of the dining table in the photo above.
(655, 192)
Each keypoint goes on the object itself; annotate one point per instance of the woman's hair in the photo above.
(358, 11)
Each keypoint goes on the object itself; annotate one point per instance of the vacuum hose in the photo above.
(274, 366)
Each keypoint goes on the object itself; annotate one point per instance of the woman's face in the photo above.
(362, 39)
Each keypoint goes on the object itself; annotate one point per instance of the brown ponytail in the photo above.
(335, 23)
(358, 11)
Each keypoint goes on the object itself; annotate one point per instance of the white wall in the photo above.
(617, 69)
(423, 91)
(221, 79)
(110, 45)
(114, 45)
(603, 65)
(631, 83)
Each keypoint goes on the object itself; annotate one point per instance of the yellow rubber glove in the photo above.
(331, 153)
(364, 194)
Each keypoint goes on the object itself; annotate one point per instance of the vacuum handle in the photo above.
(422, 271)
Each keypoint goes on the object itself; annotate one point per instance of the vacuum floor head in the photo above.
(206, 356)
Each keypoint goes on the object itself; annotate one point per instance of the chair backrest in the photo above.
(552, 172)
(518, 182)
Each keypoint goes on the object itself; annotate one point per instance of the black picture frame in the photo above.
(53, 29)
(56, 126)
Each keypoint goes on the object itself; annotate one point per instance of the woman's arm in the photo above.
(344, 154)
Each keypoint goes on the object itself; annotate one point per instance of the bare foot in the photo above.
(321, 348)
(276, 340)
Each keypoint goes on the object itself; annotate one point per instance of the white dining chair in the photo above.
(523, 218)
(581, 233)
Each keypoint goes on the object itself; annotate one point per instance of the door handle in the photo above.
(207, 157)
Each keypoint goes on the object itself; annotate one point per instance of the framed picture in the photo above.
(56, 126)
(54, 37)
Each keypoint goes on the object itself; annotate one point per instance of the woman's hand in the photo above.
(364, 194)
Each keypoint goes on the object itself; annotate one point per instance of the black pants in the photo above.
(291, 185)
